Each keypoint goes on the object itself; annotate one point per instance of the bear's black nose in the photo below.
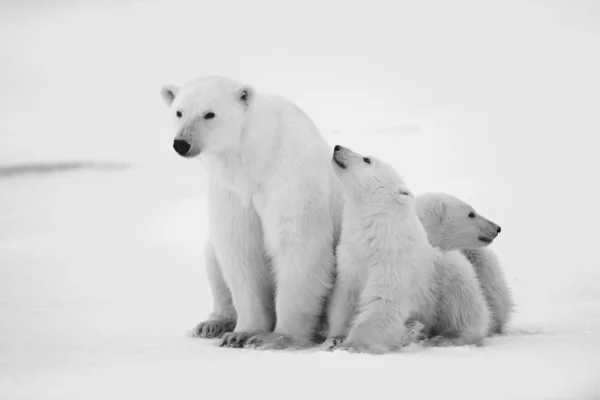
(498, 231)
(337, 147)
(181, 147)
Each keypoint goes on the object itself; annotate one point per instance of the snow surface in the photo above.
(101, 271)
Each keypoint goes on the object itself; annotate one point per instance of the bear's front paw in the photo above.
(213, 329)
(235, 339)
(276, 341)
(332, 342)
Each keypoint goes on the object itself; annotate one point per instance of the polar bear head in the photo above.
(209, 114)
(369, 182)
(453, 224)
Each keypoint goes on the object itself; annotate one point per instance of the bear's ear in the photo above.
(245, 95)
(168, 93)
(404, 194)
(440, 209)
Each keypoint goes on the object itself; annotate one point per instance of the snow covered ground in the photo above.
(101, 269)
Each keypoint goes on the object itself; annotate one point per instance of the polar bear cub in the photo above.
(452, 224)
(388, 272)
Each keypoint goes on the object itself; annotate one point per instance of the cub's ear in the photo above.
(440, 209)
(404, 194)
(245, 95)
(168, 93)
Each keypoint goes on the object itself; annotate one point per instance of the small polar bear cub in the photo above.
(452, 224)
(388, 272)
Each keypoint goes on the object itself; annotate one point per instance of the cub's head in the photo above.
(208, 114)
(453, 224)
(369, 182)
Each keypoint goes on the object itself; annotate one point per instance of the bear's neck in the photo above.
(246, 168)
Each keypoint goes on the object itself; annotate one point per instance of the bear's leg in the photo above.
(303, 276)
(342, 305)
(340, 310)
(236, 234)
(378, 329)
(300, 243)
(494, 286)
(383, 310)
(223, 317)
(299, 231)
(463, 316)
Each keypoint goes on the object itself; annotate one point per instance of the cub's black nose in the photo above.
(498, 231)
(337, 147)
(181, 147)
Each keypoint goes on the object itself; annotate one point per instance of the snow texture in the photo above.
(102, 224)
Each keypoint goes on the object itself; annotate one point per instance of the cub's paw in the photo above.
(443, 341)
(352, 347)
(276, 341)
(235, 339)
(212, 329)
(332, 342)
(437, 341)
(358, 346)
(414, 333)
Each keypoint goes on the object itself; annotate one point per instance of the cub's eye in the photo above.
(471, 214)
(209, 115)
(179, 114)
(367, 160)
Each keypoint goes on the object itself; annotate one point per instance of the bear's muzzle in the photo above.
(181, 147)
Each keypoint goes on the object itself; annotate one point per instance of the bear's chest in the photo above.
(233, 173)
(259, 200)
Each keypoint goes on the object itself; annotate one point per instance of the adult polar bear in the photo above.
(274, 211)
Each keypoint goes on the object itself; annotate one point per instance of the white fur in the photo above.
(453, 224)
(462, 315)
(494, 285)
(448, 226)
(388, 272)
(274, 209)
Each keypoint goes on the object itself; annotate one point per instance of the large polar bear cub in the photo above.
(274, 210)
(389, 274)
(452, 224)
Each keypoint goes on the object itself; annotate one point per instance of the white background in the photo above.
(101, 271)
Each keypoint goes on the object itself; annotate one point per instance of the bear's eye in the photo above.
(179, 114)
(367, 160)
(209, 115)
(471, 214)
